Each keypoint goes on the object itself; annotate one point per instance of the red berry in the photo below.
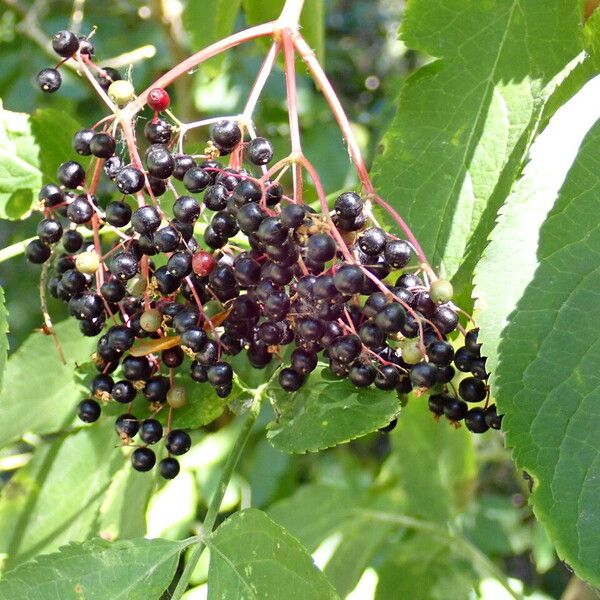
(158, 99)
(203, 263)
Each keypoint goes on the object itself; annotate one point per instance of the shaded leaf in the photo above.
(3, 336)
(96, 570)
(253, 557)
(56, 497)
(325, 413)
(461, 117)
(42, 384)
(545, 351)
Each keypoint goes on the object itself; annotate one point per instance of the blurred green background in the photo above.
(367, 64)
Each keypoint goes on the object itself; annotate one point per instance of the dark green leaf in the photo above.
(97, 570)
(40, 382)
(461, 117)
(253, 557)
(53, 131)
(545, 351)
(3, 336)
(55, 498)
(326, 413)
(20, 176)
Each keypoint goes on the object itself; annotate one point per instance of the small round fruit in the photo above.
(423, 375)
(492, 418)
(87, 262)
(177, 396)
(290, 380)
(103, 145)
(168, 468)
(440, 353)
(455, 409)
(37, 252)
(387, 377)
(88, 411)
(129, 180)
(475, 420)
(151, 431)
(178, 442)
(71, 174)
(143, 459)
(49, 80)
(158, 99)
(127, 426)
(441, 291)
(437, 403)
(65, 43)
(472, 389)
(397, 253)
(226, 135)
(121, 92)
(260, 151)
(463, 359)
(81, 141)
(151, 320)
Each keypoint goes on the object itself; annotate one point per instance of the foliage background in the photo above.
(471, 526)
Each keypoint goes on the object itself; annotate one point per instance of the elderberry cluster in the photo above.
(172, 279)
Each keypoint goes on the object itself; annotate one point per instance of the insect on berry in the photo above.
(158, 99)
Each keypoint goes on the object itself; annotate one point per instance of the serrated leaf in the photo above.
(42, 397)
(20, 176)
(207, 26)
(333, 517)
(56, 497)
(312, 20)
(97, 570)
(425, 567)
(461, 117)
(537, 285)
(432, 464)
(3, 336)
(326, 413)
(252, 557)
(53, 131)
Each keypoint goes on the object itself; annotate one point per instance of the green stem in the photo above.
(215, 503)
(467, 548)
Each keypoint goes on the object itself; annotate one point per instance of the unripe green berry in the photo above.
(177, 396)
(121, 92)
(151, 320)
(87, 262)
(441, 291)
(136, 286)
(411, 351)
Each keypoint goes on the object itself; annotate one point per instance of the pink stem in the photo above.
(193, 61)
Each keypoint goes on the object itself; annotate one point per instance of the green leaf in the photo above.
(207, 26)
(540, 327)
(97, 570)
(53, 131)
(253, 557)
(123, 512)
(20, 176)
(334, 518)
(56, 497)
(312, 20)
(432, 464)
(425, 567)
(325, 413)
(42, 396)
(3, 336)
(461, 117)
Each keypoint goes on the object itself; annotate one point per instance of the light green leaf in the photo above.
(312, 20)
(42, 396)
(461, 118)
(20, 177)
(333, 519)
(425, 567)
(538, 287)
(97, 570)
(207, 26)
(53, 131)
(254, 558)
(123, 512)
(3, 336)
(56, 497)
(324, 413)
(432, 464)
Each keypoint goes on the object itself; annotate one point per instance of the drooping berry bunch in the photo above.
(194, 260)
